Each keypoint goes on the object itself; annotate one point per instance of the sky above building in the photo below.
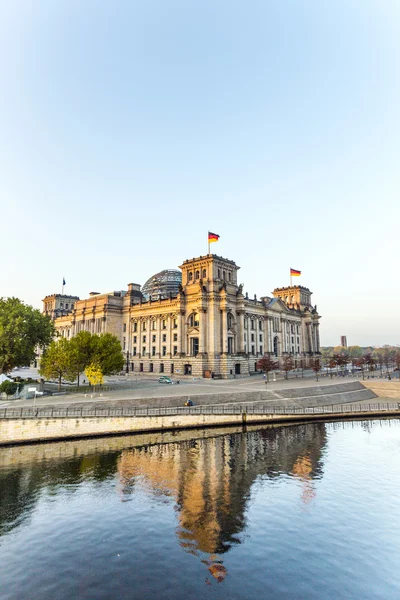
(129, 129)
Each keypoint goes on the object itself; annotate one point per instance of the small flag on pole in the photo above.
(63, 281)
(294, 273)
(212, 237)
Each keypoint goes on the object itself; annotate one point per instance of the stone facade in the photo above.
(209, 329)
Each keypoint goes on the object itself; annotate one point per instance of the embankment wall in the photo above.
(28, 430)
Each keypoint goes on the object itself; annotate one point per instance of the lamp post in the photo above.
(127, 361)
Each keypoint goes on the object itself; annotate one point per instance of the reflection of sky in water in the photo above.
(307, 511)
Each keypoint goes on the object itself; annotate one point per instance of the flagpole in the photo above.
(290, 277)
(62, 289)
(208, 239)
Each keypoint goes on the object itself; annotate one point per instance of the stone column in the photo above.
(240, 332)
(317, 337)
(224, 318)
(159, 332)
(202, 328)
(181, 333)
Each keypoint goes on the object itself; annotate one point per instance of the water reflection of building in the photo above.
(211, 480)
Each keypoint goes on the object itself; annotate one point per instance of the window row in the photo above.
(153, 325)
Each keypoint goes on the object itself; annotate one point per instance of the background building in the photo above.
(207, 328)
(343, 341)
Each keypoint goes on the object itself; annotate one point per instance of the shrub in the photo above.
(8, 387)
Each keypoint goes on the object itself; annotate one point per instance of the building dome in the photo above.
(162, 284)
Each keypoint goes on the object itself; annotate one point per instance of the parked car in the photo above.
(164, 379)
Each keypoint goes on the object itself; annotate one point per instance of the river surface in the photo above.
(299, 512)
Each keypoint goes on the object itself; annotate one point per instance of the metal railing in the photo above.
(72, 412)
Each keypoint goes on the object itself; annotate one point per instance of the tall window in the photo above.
(175, 323)
(230, 345)
(153, 338)
(153, 351)
(204, 274)
(190, 276)
(135, 327)
(194, 320)
(194, 346)
(197, 275)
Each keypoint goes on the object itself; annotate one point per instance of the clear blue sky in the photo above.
(129, 129)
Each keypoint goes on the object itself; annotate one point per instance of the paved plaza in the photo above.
(145, 391)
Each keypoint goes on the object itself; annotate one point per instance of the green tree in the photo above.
(266, 364)
(9, 387)
(107, 353)
(82, 347)
(22, 329)
(57, 362)
(355, 351)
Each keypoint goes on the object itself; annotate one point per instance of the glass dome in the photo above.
(162, 284)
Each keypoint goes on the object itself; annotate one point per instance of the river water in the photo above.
(299, 512)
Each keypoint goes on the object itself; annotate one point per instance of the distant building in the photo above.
(198, 323)
(343, 341)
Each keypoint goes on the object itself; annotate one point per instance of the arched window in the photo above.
(276, 345)
(190, 275)
(224, 275)
(260, 325)
(219, 273)
(194, 320)
(229, 275)
(252, 323)
(204, 274)
(287, 299)
(197, 275)
(293, 299)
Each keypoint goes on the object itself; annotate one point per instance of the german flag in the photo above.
(295, 273)
(212, 237)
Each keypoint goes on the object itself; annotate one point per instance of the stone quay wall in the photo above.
(30, 430)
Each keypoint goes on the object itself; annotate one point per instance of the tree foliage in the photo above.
(57, 362)
(22, 329)
(66, 359)
(82, 347)
(267, 364)
(94, 374)
(107, 353)
(287, 365)
(8, 387)
(316, 366)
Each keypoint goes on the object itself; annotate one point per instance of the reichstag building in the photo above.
(196, 321)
